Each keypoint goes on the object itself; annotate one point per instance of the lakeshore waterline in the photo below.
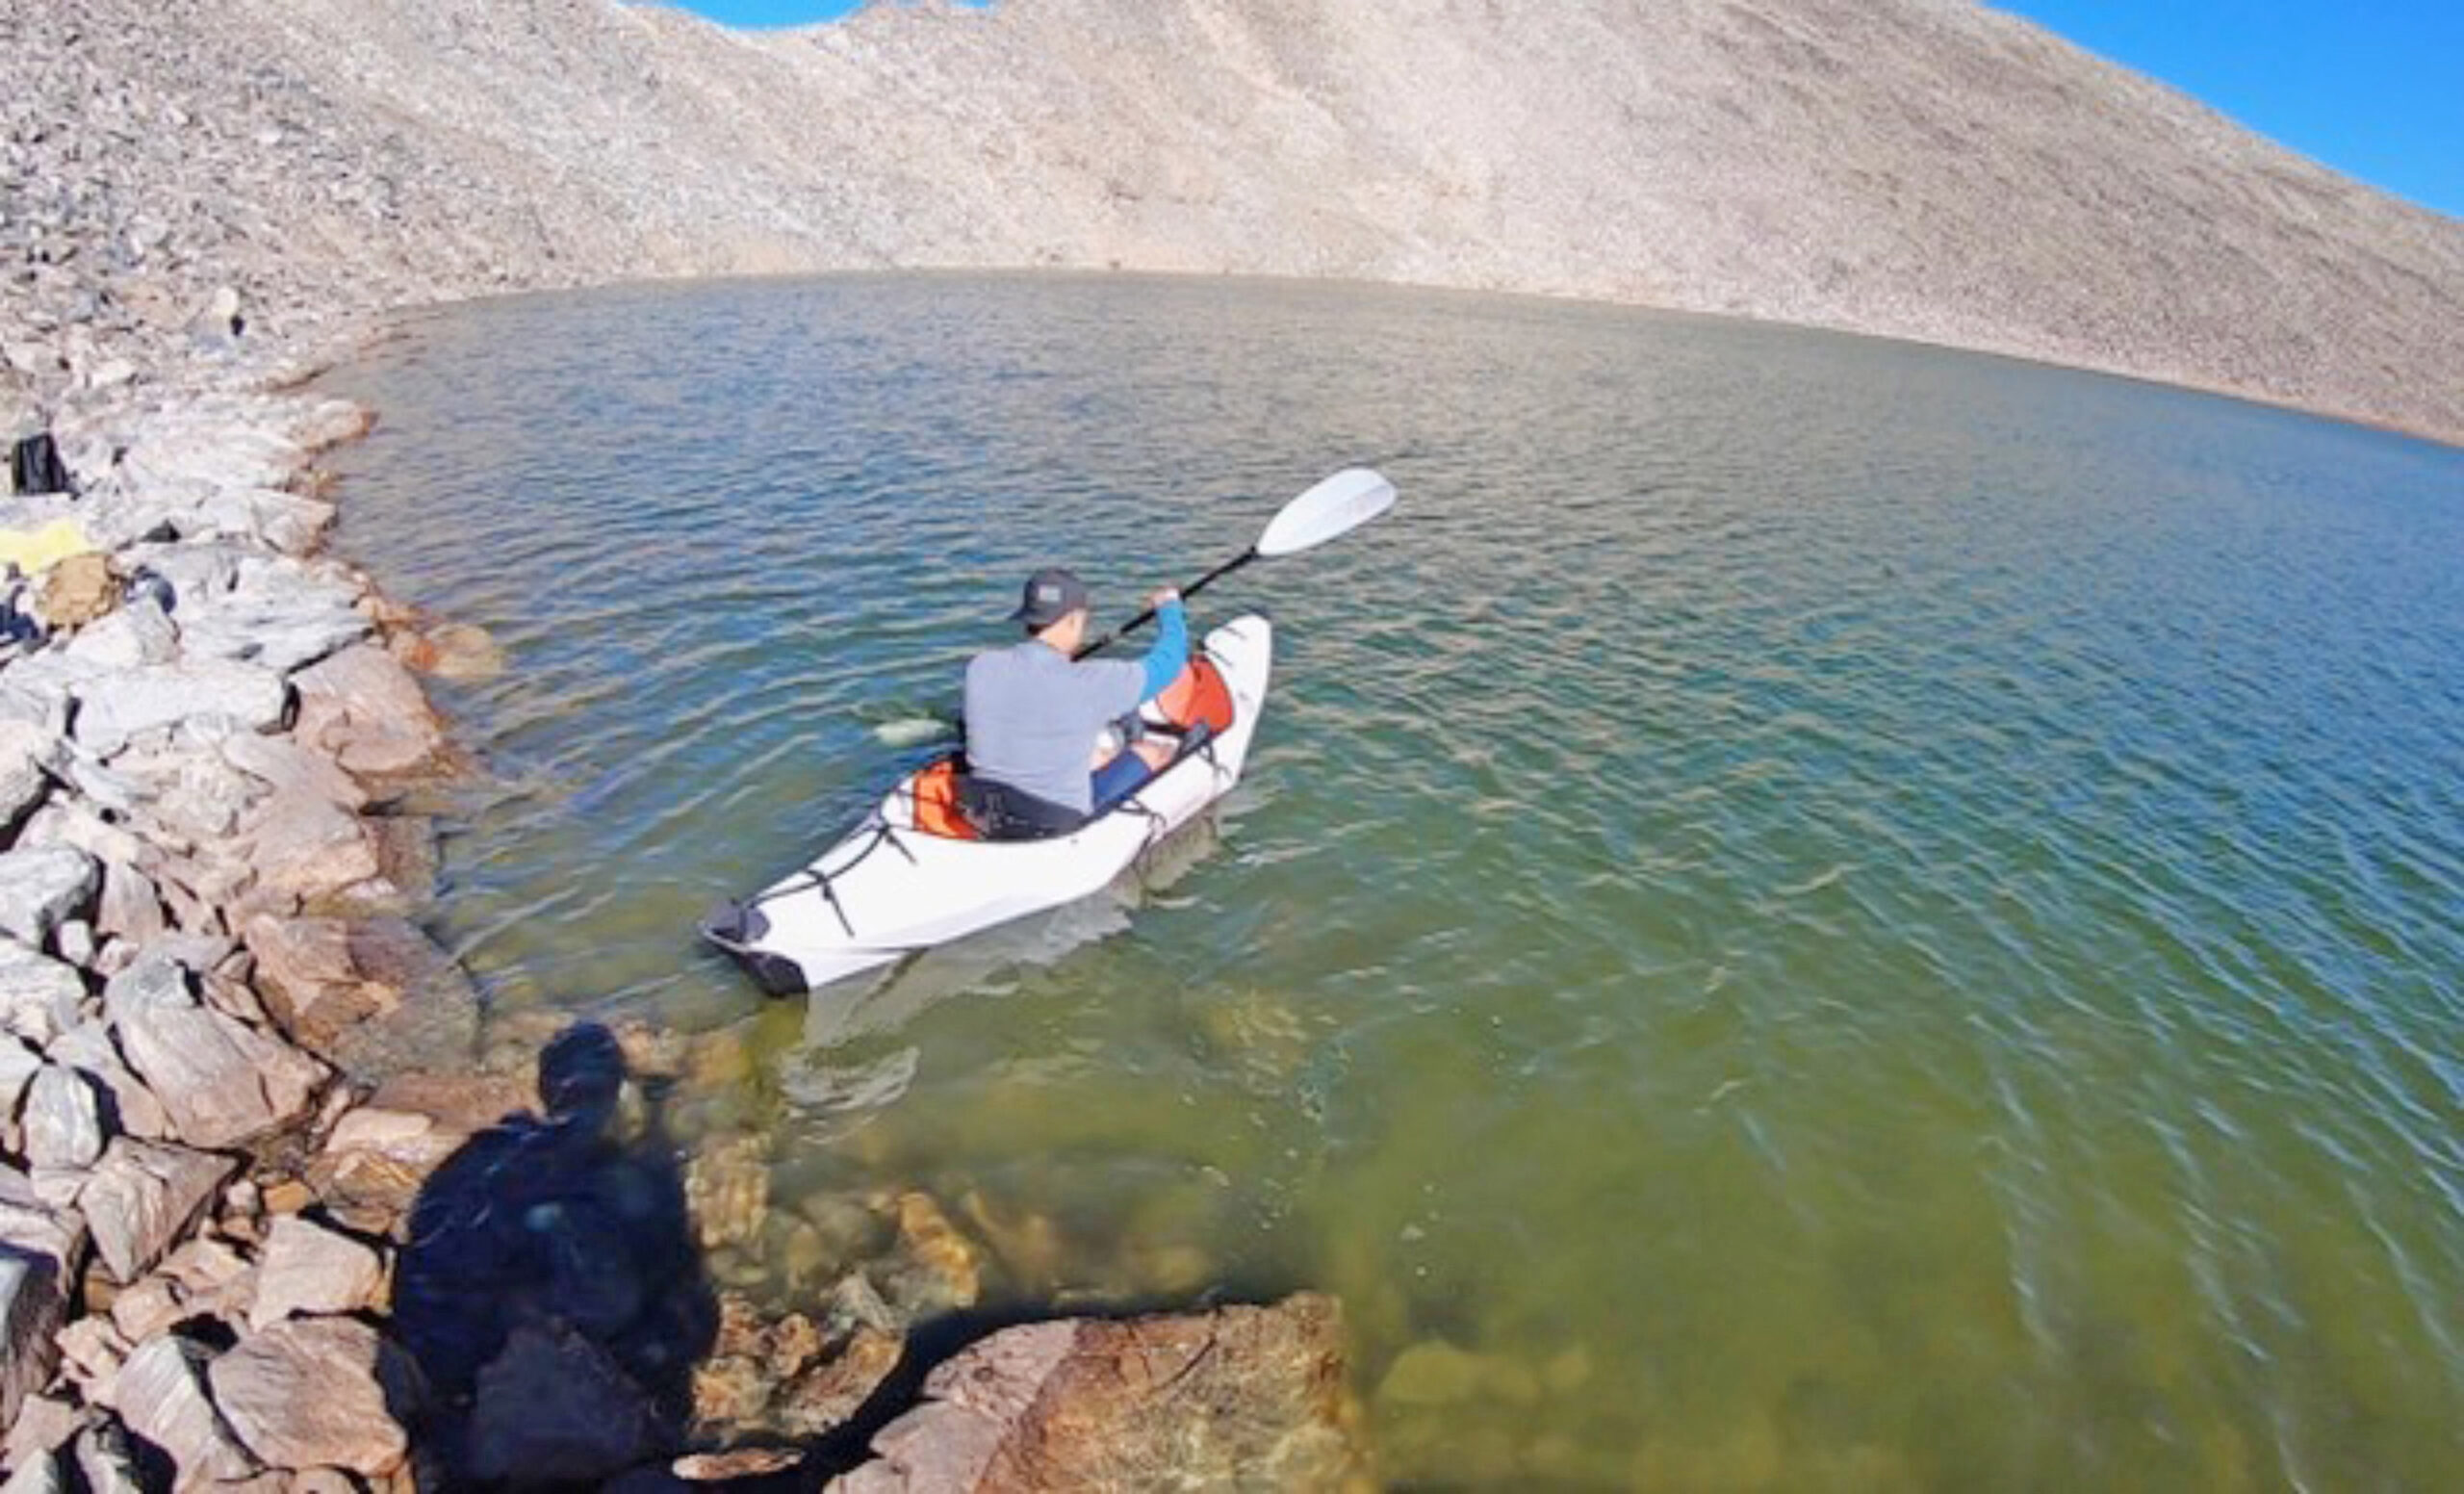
(1810, 912)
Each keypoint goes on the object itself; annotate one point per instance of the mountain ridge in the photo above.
(1929, 170)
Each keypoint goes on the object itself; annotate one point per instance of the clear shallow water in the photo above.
(1807, 913)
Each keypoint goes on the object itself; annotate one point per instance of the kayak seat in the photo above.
(1197, 697)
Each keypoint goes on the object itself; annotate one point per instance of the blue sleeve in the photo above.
(1170, 654)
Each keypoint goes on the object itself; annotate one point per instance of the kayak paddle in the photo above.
(1329, 510)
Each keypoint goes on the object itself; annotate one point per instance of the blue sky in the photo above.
(2373, 88)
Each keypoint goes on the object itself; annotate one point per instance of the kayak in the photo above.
(916, 875)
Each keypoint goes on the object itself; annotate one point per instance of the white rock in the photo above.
(317, 1393)
(43, 888)
(220, 1081)
(63, 1121)
(307, 1268)
(142, 1198)
(117, 707)
(39, 996)
(160, 1393)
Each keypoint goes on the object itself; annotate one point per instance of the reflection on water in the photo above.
(1805, 913)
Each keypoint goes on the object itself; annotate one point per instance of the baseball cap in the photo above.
(1051, 594)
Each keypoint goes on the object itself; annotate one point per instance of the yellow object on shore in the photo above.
(37, 550)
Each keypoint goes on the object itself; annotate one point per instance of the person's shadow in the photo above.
(552, 1291)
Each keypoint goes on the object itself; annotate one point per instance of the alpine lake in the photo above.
(1807, 913)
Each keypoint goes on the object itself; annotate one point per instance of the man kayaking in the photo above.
(1036, 714)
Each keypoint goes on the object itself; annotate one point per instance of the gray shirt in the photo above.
(1033, 716)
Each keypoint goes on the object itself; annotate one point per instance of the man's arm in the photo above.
(1170, 653)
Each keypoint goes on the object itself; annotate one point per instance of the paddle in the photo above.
(1329, 510)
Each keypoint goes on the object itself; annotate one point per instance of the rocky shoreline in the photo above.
(246, 1104)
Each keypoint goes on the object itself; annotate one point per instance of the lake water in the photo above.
(1807, 913)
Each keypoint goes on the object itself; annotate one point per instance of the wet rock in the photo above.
(308, 1269)
(41, 888)
(160, 1393)
(729, 1188)
(317, 1393)
(366, 709)
(937, 1268)
(222, 1081)
(1248, 1396)
(141, 1196)
(555, 1407)
(63, 1121)
(38, 993)
(118, 705)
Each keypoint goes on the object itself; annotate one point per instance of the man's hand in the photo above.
(1161, 595)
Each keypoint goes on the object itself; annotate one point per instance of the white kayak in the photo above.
(914, 875)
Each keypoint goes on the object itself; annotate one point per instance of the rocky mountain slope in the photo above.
(1923, 169)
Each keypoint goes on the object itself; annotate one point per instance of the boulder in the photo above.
(42, 1472)
(141, 1196)
(63, 1121)
(283, 626)
(307, 975)
(43, 888)
(304, 846)
(367, 709)
(38, 993)
(553, 1407)
(131, 906)
(307, 1268)
(1252, 1397)
(160, 1393)
(129, 1105)
(105, 1463)
(114, 708)
(18, 1065)
(318, 1393)
(289, 768)
(222, 1081)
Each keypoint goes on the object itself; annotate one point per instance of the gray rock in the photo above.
(18, 1065)
(26, 749)
(221, 1082)
(44, 1424)
(308, 1269)
(160, 1393)
(141, 1196)
(43, 888)
(318, 1393)
(131, 908)
(289, 768)
(63, 1121)
(38, 995)
(75, 944)
(132, 1108)
(113, 709)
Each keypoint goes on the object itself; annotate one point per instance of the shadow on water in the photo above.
(552, 1290)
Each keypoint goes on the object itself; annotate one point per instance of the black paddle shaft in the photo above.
(1188, 591)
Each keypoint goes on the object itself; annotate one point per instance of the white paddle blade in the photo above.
(1343, 502)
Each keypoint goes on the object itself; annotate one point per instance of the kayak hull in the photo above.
(892, 888)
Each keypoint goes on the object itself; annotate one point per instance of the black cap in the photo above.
(1051, 595)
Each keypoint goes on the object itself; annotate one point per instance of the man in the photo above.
(1035, 713)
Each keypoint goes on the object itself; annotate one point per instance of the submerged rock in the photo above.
(1252, 1397)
